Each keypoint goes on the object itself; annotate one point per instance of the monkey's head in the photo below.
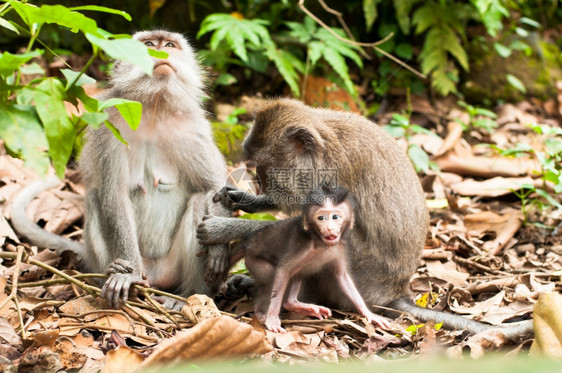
(290, 140)
(177, 78)
(329, 214)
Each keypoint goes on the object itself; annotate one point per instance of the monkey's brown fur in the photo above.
(391, 216)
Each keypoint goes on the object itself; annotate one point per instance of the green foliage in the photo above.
(478, 118)
(258, 216)
(237, 40)
(400, 126)
(550, 159)
(230, 134)
(34, 123)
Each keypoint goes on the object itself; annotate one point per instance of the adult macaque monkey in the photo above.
(145, 199)
(290, 140)
(283, 255)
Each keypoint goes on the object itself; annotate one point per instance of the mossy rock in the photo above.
(539, 72)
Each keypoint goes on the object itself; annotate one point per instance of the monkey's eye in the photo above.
(335, 217)
(170, 45)
(149, 43)
(321, 218)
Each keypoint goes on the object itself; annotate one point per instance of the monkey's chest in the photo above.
(314, 260)
(151, 170)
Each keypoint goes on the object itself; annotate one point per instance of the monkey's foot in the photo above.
(212, 230)
(273, 324)
(308, 309)
(238, 286)
(378, 320)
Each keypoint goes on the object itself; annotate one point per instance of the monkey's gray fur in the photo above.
(145, 199)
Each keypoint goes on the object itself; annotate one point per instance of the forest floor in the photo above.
(488, 256)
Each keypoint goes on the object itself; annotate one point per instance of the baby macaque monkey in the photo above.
(282, 255)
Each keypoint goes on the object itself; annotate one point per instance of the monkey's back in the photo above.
(391, 216)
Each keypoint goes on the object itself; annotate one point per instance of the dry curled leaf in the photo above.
(122, 360)
(221, 337)
(200, 307)
(547, 323)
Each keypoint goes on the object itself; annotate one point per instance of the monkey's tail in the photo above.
(27, 228)
(512, 331)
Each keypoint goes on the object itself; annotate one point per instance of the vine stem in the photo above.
(13, 293)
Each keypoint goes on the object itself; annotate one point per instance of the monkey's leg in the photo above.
(235, 199)
(215, 229)
(263, 273)
(348, 287)
(308, 309)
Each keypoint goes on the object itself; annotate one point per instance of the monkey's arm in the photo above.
(216, 229)
(112, 204)
(348, 287)
(235, 199)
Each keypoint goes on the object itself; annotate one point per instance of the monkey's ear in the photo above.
(302, 138)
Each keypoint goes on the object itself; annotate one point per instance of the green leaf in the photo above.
(502, 50)
(130, 110)
(226, 79)
(400, 120)
(115, 132)
(549, 198)
(553, 146)
(529, 22)
(370, 12)
(95, 120)
(337, 62)
(32, 68)
(8, 25)
(516, 83)
(419, 158)
(23, 136)
(258, 216)
(129, 50)
(394, 131)
(71, 75)
(11, 62)
(403, 8)
(103, 9)
(287, 65)
(157, 53)
(60, 131)
(57, 14)
(404, 51)
(315, 51)
(521, 32)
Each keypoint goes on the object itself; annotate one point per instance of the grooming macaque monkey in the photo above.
(283, 255)
(144, 199)
(289, 140)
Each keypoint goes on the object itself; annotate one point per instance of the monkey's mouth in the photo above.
(163, 66)
(331, 239)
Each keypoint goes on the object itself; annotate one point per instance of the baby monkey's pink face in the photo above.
(331, 222)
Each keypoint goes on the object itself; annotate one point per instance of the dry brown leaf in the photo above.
(81, 305)
(494, 187)
(69, 210)
(508, 113)
(482, 343)
(70, 357)
(221, 337)
(122, 360)
(6, 231)
(447, 271)
(377, 342)
(504, 226)
(487, 166)
(45, 338)
(496, 315)
(479, 308)
(547, 324)
(8, 334)
(454, 131)
(200, 307)
(282, 340)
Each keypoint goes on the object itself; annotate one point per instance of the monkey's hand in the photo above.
(217, 265)
(273, 323)
(234, 199)
(122, 277)
(378, 320)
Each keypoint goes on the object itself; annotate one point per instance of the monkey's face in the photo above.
(330, 222)
(178, 75)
